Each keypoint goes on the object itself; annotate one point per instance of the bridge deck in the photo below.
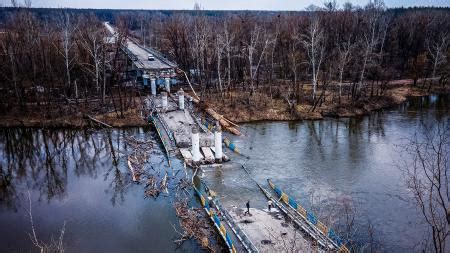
(140, 54)
(141, 61)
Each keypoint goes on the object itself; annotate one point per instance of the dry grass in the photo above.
(238, 107)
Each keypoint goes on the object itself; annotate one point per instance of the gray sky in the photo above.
(214, 4)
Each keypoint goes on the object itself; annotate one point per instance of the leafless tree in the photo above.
(344, 54)
(201, 34)
(9, 50)
(55, 245)
(91, 38)
(370, 38)
(257, 36)
(228, 38)
(294, 55)
(313, 42)
(438, 51)
(426, 173)
(66, 31)
(220, 45)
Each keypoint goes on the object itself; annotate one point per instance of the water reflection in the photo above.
(38, 159)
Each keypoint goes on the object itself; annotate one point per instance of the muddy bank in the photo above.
(239, 109)
(267, 109)
(34, 118)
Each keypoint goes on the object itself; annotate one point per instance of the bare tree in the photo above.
(66, 30)
(294, 55)
(228, 38)
(9, 50)
(344, 53)
(256, 36)
(313, 42)
(374, 11)
(201, 35)
(437, 51)
(426, 174)
(92, 41)
(54, 246)
(27, 3)
(220, 47)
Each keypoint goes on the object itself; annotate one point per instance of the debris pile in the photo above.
(150, 188)
(153, 188)
(195, 225)
(140, 154)
(137, 159)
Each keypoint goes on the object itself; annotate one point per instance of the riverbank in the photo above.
(239, 110)
(34, 118)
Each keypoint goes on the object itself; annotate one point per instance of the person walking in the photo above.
(269, 204)
(248, 207)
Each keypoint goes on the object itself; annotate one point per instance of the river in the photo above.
(80, 178)
(338, 168)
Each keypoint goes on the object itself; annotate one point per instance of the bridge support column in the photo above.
(168, 84)
(153, 86)
(195, 145)
(181, 99)
(218, 143)
(164, 101)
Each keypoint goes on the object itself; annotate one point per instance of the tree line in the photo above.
(61, 59)
(352, 51)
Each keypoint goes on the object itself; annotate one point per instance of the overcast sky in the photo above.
(214, 4)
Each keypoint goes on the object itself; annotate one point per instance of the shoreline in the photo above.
(396, 97)
(238, 114)
(77, 121)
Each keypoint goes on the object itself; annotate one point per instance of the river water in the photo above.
(337, 167)
(81, 178)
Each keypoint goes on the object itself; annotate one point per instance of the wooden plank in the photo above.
(208, 154)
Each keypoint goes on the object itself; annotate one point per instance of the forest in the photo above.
(324, 59)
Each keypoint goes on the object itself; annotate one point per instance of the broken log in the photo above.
(133, 172)
(97, 121)
(225, 123)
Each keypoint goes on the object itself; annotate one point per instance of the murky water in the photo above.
(337, 166)
(81, 178)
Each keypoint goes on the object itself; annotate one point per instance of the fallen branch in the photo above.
(97, 121)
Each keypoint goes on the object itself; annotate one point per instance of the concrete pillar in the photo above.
(168, 84)
(181, 99)
(218, 143)
(153, 86)
(195, 145)
(164, 100)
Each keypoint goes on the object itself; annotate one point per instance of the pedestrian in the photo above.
(248, 207)
(269, 203)
(207, 190)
